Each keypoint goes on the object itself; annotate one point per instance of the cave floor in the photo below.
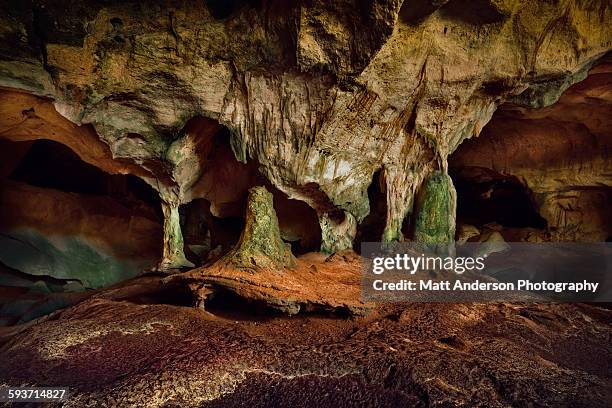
(123, 353)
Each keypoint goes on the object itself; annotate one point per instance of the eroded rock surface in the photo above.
(260, 245)
(496, 355)
(320, 96)
(435, 221)
(361, 112)
(313, 283)
(561, 154)
(94, 240)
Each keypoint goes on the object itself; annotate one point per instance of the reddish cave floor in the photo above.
(144, 342)
(141, 342)
(127, 352)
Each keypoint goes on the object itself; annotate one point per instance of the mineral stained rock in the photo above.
(261, 269)
(314, 283)
(561, 154)
(345, 120)
(435, 221)
(117, 353)
(260, 245)
(93, 240)
(321, 96)
(173, 256)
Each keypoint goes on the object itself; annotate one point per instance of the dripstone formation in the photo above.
(185, 186)
(321, 96)
(260, 245)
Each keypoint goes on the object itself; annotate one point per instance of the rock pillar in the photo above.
(173, 255)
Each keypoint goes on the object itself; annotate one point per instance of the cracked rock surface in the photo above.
(237, 152)
(496, 355)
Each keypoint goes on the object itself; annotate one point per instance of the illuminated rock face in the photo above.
(260, 245)
(561, 154)
(93, 240)
(319, 96)
(435, 221)
(64, 219)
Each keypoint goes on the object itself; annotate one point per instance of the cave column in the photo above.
(173, 255)
(260, 243)
(436, 210)
(399, 192)
(337, 235)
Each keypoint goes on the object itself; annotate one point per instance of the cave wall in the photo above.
(320, 96)
(562, 154)
(93, 240)
(63, 218)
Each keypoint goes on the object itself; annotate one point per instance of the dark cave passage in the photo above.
(66, 226)
(485, 196)
(373, 225)
(213, 222)
(226, 304)
(475, 12)
(222, 9)
(206, 236)
(52, 165)
(541, 167)
(298, 222)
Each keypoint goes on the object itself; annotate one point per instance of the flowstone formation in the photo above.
(321, 96)
(260, 245)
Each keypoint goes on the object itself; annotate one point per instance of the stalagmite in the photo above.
(260, 244)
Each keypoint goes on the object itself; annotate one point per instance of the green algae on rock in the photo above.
(435, 221)
(319, 104)
(260, 244)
